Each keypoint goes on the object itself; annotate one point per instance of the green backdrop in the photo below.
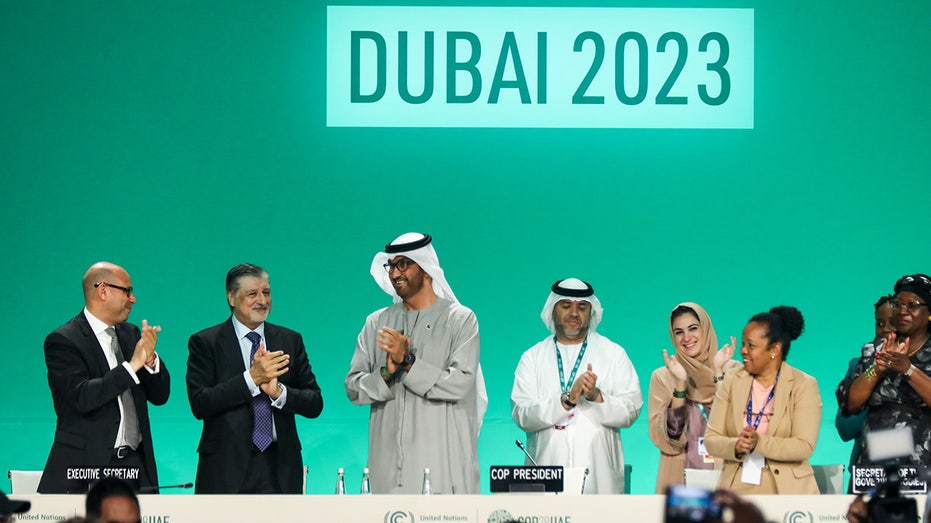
(180, 138)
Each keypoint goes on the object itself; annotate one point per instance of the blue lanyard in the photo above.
(759, 417)
(575, 369)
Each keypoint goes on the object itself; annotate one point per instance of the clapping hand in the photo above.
(267, 366)
(746, 441)
(893, 356)
(395, 344)
(586, 386)
(676, 369)
(723, 356)
(144, 353)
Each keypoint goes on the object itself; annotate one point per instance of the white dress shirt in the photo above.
(100, 330)
(245, 346)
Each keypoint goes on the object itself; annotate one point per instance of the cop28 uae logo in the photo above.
(399, 516)
(798, 517)
(500, 516)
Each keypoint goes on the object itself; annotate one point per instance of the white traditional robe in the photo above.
(426, 417)
(590, 438)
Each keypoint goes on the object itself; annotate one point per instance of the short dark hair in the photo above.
(783, 324)
(241, 271)
(109, 487)
(889, 298)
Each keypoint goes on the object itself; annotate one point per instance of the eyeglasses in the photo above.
(402, 265)
(127, 290)
(912, 306)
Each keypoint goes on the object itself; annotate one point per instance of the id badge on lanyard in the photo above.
(754, 463)
(563, 385)
(702, 451)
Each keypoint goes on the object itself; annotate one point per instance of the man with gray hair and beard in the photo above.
(575, 389)
(416, 364)
(248, 379)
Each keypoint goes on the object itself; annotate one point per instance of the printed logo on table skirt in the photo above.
(399, 516)
(500, 516)
(798, 517)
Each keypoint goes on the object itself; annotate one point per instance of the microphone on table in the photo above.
(521, 445)
(151, 490)
(584, 479)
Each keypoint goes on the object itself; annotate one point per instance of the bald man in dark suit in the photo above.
(103, 372)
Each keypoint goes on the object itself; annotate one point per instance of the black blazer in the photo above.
(84, 392)
(219, 396)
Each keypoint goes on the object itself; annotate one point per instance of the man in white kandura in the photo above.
(416, 364)
(575, 389)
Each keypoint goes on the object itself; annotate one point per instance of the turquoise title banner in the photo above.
(539, 67)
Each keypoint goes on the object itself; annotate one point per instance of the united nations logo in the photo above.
(798, 517)
(399, 516)
(500, 516)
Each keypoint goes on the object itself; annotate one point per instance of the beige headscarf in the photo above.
(701, 384)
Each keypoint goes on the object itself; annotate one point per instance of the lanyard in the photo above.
(575, 369)
(759, 417)
(704, 413)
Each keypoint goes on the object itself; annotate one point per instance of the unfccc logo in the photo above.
(399, 516)
(798, 517)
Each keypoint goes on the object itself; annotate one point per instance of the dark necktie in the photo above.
(130, 420)
(261, 406)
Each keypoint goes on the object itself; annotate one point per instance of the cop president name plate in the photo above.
(526, 479)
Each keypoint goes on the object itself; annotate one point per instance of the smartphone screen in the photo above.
(690, 505)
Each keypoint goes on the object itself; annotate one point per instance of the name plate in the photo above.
(80, 478)
(868, 478)
(526, 479)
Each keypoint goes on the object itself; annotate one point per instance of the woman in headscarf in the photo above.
(892, 376)
(681, 393)
(767, 415)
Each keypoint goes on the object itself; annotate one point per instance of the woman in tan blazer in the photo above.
(766, 416)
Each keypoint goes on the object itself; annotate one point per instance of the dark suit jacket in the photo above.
(85, 391)
(219, 396)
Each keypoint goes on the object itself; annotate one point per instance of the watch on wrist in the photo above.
(409, 359)
(565, 399)
(909, 372)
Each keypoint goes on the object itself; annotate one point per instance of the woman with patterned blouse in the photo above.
(892, 376)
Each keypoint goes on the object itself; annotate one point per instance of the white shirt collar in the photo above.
(242, 330)
(97, 325)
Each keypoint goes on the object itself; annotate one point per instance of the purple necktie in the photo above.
(261, 407)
